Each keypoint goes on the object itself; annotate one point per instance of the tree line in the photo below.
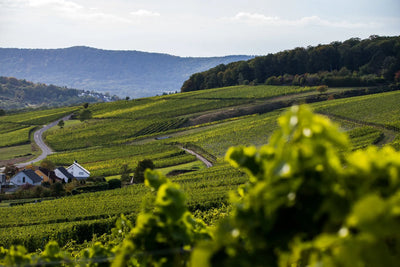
(354, 62)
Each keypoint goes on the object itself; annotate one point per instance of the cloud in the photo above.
(145, 13)
(260, 19)
(59, 4)
(65, 8)
(254, 17)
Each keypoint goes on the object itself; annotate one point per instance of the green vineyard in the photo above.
(208, 122)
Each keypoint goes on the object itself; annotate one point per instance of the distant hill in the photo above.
(17, 94)
(354, 62)
(123, 73)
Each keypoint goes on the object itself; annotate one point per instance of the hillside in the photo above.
(207, 121)
(123, 73)
(353, 62)
(17, 94)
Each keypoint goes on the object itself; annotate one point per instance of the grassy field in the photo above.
(125, 132)
(15, 151)
(381, 108)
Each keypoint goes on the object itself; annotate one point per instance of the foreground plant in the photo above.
(307, 205)
(165, 234)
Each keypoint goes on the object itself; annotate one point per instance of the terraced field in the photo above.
(82, 215)
(126, 132)
(380, 109)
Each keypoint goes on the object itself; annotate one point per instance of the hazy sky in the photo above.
(193, 27)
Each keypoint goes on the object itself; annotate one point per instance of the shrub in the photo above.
(114, 183)
(322, 89)
(140, 169)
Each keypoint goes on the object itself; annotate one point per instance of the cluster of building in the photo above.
(37, 176)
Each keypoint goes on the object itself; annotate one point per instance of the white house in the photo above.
(26, 177)
(78, 171)
(62, 173)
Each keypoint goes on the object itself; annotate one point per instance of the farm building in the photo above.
(63, 174)
(43, 175)
(26, 177)
(48, 176)
(78, 171)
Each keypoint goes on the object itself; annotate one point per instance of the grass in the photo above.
(383, 108)
(191, 166)
(67, 124)
(108, 178)
(17, 137)
(7, 153)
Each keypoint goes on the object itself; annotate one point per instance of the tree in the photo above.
(125, 173)
(10, 170)
(85, 115)
(127, 98)
(57, 189)
(85, 105)
(397, 76)
(61, 124)
(48, 165)
(141, 167)
(322, 89)
(2, 112)
(114, 183)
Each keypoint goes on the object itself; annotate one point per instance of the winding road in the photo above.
(38, 139)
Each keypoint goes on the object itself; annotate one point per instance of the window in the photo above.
(23, 179)
(80, 173)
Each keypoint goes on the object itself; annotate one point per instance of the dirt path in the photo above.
(199, 157)
(38, 139)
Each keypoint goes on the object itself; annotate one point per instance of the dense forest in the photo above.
(123, 73)
(16, 94)
(354, 62)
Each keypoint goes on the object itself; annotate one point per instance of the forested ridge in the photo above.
(123, 73)
(16, 94)
(354, 62)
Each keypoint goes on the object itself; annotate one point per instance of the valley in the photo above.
(288, 159)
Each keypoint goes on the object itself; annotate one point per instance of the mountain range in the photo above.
(122, 73)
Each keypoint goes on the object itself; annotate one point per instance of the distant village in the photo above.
(38, 175)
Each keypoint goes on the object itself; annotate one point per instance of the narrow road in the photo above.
(199, 157)
(38, 139)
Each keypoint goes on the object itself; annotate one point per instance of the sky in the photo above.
(193, 27)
